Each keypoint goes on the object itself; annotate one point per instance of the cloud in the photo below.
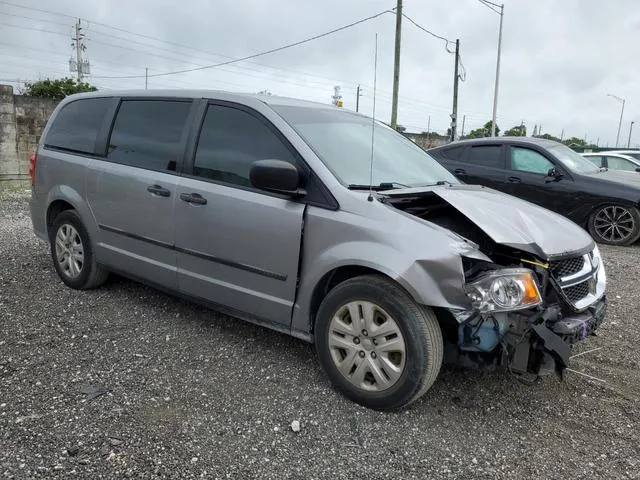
(559, 60)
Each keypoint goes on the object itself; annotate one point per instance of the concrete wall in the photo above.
(21, 122)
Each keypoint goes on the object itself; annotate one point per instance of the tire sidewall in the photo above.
(632, 239)
(71, 217)
(403, 310)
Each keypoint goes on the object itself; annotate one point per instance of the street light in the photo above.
(491, 5)
(630, 130)
(621, 100)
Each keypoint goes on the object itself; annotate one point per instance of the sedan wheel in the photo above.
(615, 225)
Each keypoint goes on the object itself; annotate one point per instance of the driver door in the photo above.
(528, 179)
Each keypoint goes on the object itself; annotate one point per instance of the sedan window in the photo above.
(526, 160)
(617, 163)
(486, 156)
(595, 159)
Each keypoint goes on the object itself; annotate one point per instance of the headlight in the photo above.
(504, 290)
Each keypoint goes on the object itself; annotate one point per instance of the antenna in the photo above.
(373, 120)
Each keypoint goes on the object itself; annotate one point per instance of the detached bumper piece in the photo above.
(551, 338)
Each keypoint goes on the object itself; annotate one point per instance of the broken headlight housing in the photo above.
(504, 290)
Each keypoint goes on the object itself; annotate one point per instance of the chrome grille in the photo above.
(576, 279)
(577, 292)
(564, 268)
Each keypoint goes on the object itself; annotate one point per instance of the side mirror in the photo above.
(638, 169)
(554, 173)
(276, 176)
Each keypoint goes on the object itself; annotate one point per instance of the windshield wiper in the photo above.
(380, 187)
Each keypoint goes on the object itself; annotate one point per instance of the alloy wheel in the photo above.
(69, 251)
(367, 346)
(614, 224)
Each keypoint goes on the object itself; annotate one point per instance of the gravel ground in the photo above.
(124, 381)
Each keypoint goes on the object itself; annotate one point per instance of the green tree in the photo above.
(546, 136)
(517, 131)
(57, 88)
(484, 131)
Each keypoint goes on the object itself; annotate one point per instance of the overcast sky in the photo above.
(560, 59)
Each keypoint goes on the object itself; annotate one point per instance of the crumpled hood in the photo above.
(510, 221)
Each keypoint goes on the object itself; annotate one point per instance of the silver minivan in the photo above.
(318, 222)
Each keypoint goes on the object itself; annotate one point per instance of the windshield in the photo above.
(342, 140)
(572, 160)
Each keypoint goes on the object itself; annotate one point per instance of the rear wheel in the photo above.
(378, 347)
(72, 253)
(615, 225)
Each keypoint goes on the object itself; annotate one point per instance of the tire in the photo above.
(400, 377)
(615, 225)
(69, 239)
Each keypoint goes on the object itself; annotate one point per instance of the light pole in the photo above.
(630, 130)
(621, 100)
(491, 5)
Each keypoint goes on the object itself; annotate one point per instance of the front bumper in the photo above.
(551, 337)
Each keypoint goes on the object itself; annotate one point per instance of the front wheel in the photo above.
(378, 347)
(615, 225)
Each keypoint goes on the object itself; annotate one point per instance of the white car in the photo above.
(616, 160)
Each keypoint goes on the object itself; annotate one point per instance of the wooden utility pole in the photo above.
(456, 78)
(396, 66)
(358, 98)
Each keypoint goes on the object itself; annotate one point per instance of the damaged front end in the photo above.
(542, 291)
(531, 339)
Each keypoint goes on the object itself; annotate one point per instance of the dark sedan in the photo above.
(551, 175)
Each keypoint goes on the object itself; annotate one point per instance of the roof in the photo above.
(204, 93)
(521, 140)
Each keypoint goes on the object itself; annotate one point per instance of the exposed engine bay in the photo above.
(533, 340)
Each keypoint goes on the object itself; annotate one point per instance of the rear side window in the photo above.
(76, 126)
(617, 163)
(486, 156)
(230, 141)
(149, 134)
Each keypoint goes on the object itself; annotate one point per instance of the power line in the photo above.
(34, 18)
(447, 42)
(34, 29)
(255, 55)
(488, 5)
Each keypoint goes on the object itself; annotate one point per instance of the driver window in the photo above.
(525, 160)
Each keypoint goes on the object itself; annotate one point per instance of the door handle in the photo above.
(514, 180)
(194, 198)
(459, 171)
(158, 190)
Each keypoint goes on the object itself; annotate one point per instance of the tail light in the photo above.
(32, 168)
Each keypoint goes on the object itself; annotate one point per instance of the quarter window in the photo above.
(230, 141)
(76, 126)
(149, 134)
(530, 161)
(486, 156)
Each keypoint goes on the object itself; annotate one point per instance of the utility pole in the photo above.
(358, 94)
(621, 100)
(454, 115)
(396, 66)
(495, 92)
(464, 117)
(630, 130)
(429, 125)
(146, 77)
(562, 135)
(78, 65)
